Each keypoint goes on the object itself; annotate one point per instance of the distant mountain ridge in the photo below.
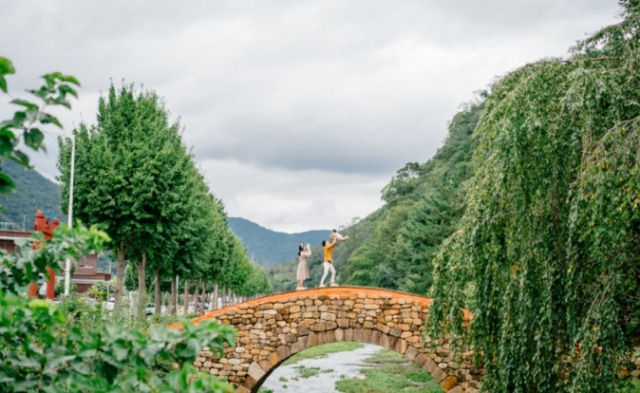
(267, 247)
(33, 192)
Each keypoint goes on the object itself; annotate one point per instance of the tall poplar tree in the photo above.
(121, 173)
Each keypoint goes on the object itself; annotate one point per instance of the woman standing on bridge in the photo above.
(303, 269)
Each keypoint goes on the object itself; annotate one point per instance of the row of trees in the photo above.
(135, 178)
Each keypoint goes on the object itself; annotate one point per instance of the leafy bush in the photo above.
(44, 350)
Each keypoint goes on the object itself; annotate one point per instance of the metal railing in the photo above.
(11, 226)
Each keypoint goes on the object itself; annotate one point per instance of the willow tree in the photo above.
(551, 236)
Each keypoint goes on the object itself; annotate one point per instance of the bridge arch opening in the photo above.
(348, 366)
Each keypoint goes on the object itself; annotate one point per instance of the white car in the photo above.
(109, 305)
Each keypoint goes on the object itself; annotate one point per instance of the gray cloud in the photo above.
(274, 93)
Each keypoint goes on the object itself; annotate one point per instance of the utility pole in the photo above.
(67, 268)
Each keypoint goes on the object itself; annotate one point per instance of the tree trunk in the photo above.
(117, 291)
(158, 297)
(142, 286)
(196, 303)
(186, 297)
(173, 298)
(204, 290)
(204, 295)
(215, 296)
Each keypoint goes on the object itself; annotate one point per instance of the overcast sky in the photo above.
(298, 112)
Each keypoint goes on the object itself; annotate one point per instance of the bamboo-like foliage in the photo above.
(550, 236)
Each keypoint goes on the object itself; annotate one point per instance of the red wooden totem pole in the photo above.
(46, 225)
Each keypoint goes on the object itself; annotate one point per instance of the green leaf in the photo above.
(7, 142)
(18, 119)
(40, 93)
(20, 158)
(24, 386)
(70, 79)
(81, 367)
(31, 115)
(46, 118)
(25, 103)
(120, 353)
(66, 89)
(6, 183)
(34, 137)
(3, 84)
(6, 66)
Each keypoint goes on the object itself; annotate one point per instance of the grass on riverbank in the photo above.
(389, 371)
(323, 350)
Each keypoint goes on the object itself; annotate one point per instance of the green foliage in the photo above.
(551, 233)
(321, 351)
(256, 282)
(425, 202)
(136, 179)
(403, 183)
(37, 359)
(27, 122)
(71, 349)
(389, 371)
(44, 350)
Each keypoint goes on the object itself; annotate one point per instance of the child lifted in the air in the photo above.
(338, 236)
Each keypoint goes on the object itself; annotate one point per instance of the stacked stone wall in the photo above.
(271, 330)
(635, 371)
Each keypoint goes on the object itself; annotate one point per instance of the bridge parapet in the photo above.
(271, 329)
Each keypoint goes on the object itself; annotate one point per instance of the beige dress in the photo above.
(303, 268)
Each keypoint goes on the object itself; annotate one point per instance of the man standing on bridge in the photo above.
(328, 262)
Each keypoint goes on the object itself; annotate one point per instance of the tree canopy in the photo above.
(551, 236)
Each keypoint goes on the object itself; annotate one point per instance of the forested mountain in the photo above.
(33, 192)
(267, 247)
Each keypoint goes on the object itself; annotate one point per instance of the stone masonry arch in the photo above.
(273, 328)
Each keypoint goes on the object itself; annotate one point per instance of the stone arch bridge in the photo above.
(273, 328)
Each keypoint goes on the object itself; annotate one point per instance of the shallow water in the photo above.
(343, 365)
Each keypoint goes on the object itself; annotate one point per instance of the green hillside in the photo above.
(267, 247)
(394, 246)
(424, 204)
(33, 192)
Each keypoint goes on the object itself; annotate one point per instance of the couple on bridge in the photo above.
(304, 252)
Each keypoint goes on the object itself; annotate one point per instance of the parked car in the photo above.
(109, 304)
(150, 309)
